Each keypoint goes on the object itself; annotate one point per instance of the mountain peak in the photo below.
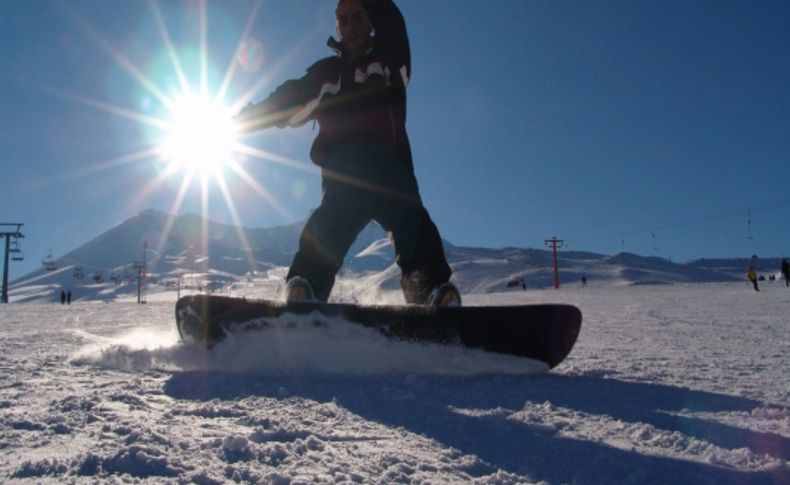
(151, 213)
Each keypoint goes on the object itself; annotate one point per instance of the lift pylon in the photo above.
(9, 230)
(555, 243)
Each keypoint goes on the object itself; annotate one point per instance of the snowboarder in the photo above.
(752, 275)
(358, 99)
(786, 271)
(68, 297)
(62, 297)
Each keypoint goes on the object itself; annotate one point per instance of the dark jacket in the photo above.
(360, 102)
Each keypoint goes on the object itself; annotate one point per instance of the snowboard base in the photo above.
(546, 332)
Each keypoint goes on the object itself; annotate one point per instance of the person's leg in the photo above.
(325, 240)
(420, 255)
(418, 246)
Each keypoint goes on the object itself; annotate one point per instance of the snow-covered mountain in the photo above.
(215, 254)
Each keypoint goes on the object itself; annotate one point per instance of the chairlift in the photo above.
(78, 274)
(49, 263)
(16, 251)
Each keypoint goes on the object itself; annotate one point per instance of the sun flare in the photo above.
(200, 136)
(187, 116)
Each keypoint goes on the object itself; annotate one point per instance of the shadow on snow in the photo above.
(425, 405)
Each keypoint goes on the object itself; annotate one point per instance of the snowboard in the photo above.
(546, 332)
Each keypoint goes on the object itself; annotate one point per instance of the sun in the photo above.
(188, 120)
(199, 137)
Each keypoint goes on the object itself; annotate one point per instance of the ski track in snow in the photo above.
(667, 384)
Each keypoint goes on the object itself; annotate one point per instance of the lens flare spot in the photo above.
(298, 189)
(251, 55)
(145, 104)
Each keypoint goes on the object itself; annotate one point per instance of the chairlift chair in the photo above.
(49, 263)
(16, 251)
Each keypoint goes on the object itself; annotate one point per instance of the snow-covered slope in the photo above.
(672, 384)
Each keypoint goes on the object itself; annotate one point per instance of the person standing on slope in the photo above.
(786, 271)
(358, 99)
(752, 275)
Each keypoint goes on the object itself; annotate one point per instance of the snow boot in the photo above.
(297, 289)
(445, 294)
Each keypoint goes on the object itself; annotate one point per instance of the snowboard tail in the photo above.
(544, 332)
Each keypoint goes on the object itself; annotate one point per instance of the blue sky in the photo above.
(658, 127)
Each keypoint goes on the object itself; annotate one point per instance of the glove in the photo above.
(250, 118)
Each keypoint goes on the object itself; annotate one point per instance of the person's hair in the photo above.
(340, 2)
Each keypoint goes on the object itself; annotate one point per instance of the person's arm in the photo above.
(292, 103)
(390, 38)
(277, 108)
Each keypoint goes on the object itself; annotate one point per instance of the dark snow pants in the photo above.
(363, 183)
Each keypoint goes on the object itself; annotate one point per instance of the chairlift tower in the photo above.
(140, 266)
(9, 230)
(555, 243)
